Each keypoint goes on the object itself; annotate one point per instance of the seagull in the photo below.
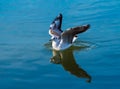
(62, 40)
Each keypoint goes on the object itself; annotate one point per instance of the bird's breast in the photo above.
(60, 45)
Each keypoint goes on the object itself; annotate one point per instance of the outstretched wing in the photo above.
(67, 36)
(58, 22)
(55, 27)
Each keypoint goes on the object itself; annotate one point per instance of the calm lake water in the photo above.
(26, 57)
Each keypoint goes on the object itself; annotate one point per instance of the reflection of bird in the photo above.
(66, 59)
(63, 40)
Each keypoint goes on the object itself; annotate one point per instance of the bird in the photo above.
(62, 40)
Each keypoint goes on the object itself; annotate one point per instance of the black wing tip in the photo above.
(60, 14)
(87, 26)
(58, 17)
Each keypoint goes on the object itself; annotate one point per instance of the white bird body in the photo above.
(58, 44)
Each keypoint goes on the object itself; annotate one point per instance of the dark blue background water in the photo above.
(25, 60)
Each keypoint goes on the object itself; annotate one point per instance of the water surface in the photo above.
(25, 50)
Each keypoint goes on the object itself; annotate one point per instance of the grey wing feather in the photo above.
(68, 35)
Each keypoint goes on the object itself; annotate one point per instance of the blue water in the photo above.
(25, 50)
